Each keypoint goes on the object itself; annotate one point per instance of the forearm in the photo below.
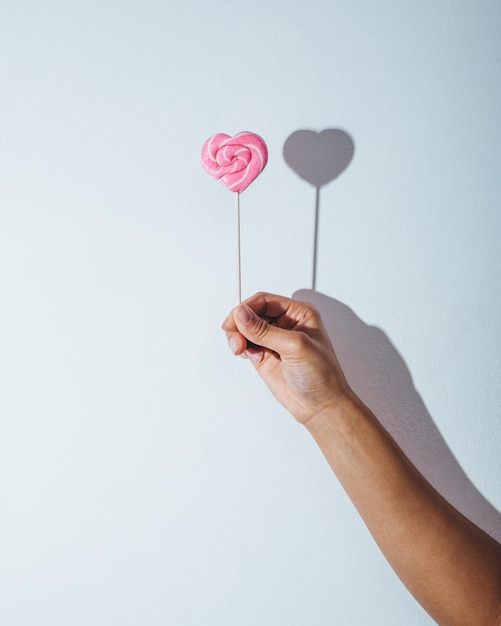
(450, 566)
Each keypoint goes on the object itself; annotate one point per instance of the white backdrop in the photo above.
(146, 476)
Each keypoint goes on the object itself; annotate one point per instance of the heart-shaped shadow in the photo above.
(319, 158)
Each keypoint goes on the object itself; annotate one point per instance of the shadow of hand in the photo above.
(379, 376)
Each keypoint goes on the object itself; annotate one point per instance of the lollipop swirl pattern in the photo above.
(235, 161)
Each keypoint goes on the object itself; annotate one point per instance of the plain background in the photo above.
(147, 476)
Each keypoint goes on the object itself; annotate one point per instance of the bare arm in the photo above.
(450, 566)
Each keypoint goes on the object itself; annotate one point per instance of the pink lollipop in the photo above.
(235, 161)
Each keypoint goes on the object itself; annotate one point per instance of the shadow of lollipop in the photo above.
(318, 158)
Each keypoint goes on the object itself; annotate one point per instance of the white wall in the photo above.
(146, 476)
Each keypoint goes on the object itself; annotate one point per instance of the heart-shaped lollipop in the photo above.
(235, 161)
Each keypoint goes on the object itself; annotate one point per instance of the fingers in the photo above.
(281, 311)
(269, 305)
(265, 321)
(236, 343)
(259, 333)
(239, 345)
(259, 303)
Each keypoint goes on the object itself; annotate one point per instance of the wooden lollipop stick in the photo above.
(239, 266)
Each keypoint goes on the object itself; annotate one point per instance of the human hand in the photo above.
(289, 347)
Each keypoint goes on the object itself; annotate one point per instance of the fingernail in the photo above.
(226, 324)
(233, 343)
(244, 314)
(255, 357)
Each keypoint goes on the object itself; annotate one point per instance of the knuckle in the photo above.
(313, 313)
(261, 329)
(300, 341)
(306, 311)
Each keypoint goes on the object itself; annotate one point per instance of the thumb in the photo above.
(258, 331)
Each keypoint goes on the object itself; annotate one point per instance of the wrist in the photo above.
(337, 419)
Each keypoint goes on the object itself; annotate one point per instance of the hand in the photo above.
(288, 345)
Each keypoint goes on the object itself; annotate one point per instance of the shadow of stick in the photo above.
(379, 376)
(318, 158)
(315, 239)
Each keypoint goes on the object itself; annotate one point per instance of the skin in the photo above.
(451, 566)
